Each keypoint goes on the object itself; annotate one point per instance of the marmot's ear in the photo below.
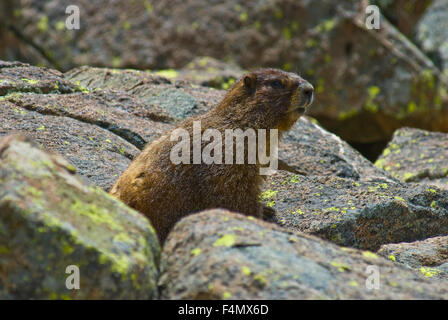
(250, 82)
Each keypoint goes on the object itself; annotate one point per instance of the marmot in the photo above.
(165, 192)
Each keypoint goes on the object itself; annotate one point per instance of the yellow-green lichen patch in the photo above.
(429, 272)
(67, 248)
(311, 43)
(226, 240)
(380, 163)
(378, 187)
(327, 25)
(126, 25)
(60, 25)
(408, 176)
(343, 115)
(4, 250)
(228, 84)
(268, 194)
(372, 93)
(369, 255)
(260, 278)
(43, 24)
(342, 267)
(168, 73)
(30, 81)
(353, 283)
(118, 263)
(196, 251)
(123, 237)
(287, 66)
(243, 16)
(427, 77)
(270, 204)
(278, 14)
(392, 257)
(320, 87)
(286, 32)
(412, 107)
(246, 270)
(34, 192)
(331, 209)
(98, 215)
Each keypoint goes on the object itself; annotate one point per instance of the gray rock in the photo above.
(50, 220)
(403, 13)
(417, 156)
(428, 257)
(432, 33)
(357, 214)
(221, 255)
(309, 149)
(165, 98)
(99, 131)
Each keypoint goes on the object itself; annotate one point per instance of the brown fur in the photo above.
(166, 192)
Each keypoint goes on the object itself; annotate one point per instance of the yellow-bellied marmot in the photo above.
(165, 192)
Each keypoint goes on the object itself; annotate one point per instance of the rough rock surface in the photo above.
(417, 156)
(310, 149)
(432, 33)
(428, 257)
(98, 131)
(221, 255)
(403, 13)
(50, 220)
(356, 213)
(21, 77)
(166, 100)
(208, 72)
(326, 41)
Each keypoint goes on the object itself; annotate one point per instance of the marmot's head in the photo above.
(271, 98)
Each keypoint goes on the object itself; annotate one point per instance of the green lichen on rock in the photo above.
(361, 214)
(51, 220)
(416, 155)
(269, 262)
(426, 257)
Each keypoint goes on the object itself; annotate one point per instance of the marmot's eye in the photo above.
(276, 84)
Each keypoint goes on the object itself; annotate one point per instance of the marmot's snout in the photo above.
(306, 94)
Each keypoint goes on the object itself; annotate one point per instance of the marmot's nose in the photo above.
(307, 91)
